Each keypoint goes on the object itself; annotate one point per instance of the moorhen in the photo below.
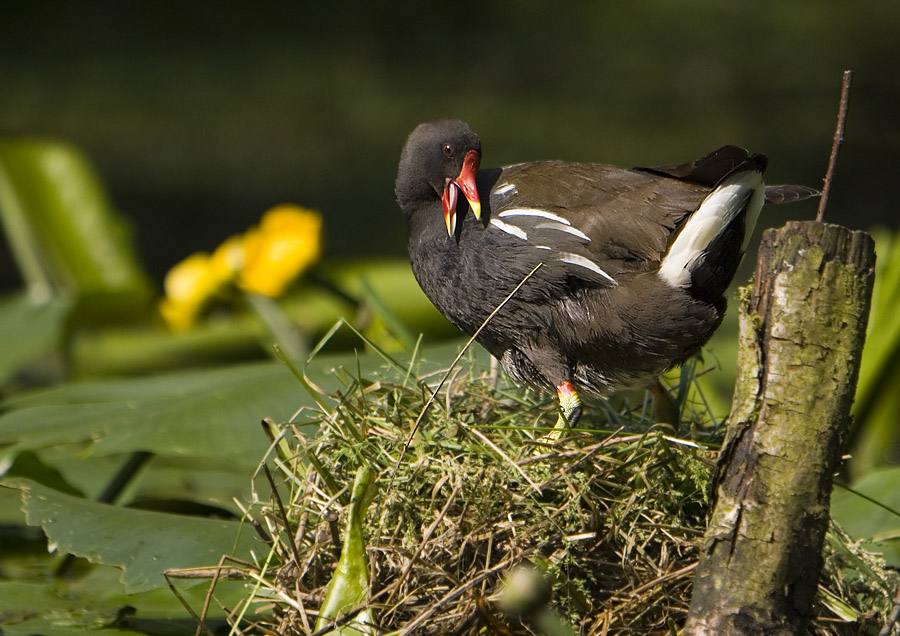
(634, 263)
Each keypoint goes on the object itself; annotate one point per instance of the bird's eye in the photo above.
(448, 150)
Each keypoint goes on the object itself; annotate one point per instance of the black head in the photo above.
(440, 159)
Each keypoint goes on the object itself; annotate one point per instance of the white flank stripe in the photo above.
(534, 212)
(510, 229)
(574, 231)
(715, 213)
(506, 188)
(581, 261)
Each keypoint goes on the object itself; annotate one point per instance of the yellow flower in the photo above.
(286, 243)
(265, 260)
(192, 283)
(227, 260)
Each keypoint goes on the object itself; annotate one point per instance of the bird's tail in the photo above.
(789, 193)
(704, 256)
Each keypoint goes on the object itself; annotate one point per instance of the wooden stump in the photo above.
(802, 329)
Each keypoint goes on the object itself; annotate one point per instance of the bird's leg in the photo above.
(569, 404)
(569, 412)
(666, 409)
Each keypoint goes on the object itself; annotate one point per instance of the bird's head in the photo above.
(440, 159)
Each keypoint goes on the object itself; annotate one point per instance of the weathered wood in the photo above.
(802, 328)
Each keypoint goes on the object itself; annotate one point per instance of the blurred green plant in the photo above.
(89, 307)
(867, 502)
(85, 317)
(875, 438)
(66, 238)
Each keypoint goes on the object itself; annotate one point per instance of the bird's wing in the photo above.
(712, 168)
(593, 221)
(705, 171)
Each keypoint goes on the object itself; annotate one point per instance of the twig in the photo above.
(452, 595)
(888, 628)
(231, 574)
(836, 144)
(201, 625)
(284, 517)
(209, 596)
(662, 579)
(217, 574)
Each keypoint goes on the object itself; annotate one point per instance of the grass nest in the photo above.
(478, 528)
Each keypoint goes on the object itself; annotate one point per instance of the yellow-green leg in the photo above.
(569, 412)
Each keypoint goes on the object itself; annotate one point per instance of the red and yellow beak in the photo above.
(466, 183)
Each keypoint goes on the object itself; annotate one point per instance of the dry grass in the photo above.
(611, 518)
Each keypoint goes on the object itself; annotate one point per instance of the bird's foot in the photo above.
(552, 435)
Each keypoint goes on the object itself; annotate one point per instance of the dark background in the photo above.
(201, 115)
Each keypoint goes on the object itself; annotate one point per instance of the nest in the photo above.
(478, 528)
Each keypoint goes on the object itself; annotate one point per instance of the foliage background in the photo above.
(199, 117)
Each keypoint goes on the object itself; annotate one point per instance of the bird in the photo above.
(625, 270)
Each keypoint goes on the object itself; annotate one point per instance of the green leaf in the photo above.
(142, 543)
(209, 413)
(96, 603)
(385, 314)
(390, 281)
(29, 465)
(33, 608)
(212, 413)
(875, 438)
(836, 605)
(312, 306)
(30, 331)
(349, 586)
(279, 326)
(64, 233)
(871, 510)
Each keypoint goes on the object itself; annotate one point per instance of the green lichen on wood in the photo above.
(801, 334)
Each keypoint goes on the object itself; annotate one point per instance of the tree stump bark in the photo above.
(802, 329)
